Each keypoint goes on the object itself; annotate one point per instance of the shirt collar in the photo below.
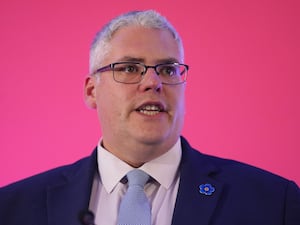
(163, 169)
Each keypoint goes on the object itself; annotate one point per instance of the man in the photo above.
(137, 86)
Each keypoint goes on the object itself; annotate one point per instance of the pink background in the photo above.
(242, 92)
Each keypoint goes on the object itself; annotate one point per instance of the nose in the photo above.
(151, 81)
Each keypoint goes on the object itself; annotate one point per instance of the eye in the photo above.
(131, 69)
(128, 68)
(170, 70)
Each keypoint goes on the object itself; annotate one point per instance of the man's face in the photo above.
(130, 128)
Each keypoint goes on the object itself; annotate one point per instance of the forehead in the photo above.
(149, 44)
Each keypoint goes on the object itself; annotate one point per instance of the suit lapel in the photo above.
(71, 195)
(192, 206)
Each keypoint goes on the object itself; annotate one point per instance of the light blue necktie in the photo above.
(135, 207)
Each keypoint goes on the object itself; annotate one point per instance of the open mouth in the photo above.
(150, 109)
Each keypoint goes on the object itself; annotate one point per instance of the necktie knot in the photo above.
(137, 177)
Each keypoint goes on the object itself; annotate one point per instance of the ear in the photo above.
(90, 92)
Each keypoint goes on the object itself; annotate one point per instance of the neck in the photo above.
(137, 154)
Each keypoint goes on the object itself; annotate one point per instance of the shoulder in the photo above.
(232, 171)
(241, 188)
(44, 179)
(29, 198)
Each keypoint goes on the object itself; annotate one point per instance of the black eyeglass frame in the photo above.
(110, 67)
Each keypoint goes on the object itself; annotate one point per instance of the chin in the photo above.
(155, 140)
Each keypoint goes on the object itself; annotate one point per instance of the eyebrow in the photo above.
(142, 60)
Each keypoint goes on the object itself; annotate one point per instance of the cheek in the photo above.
(179, 109)
(104, 100)
(181, 112)
(178, 100)
(112, 102)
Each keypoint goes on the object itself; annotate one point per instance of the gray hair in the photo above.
(149, 18)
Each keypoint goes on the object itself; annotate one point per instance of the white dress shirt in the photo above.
(108, 189)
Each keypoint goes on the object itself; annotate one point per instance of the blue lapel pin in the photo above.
(206, 189)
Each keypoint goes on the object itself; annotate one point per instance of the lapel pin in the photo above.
(206, 189)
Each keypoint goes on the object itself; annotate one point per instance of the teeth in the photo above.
(150, 110)
(149, 113)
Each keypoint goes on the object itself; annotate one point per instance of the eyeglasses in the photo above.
(133, 72)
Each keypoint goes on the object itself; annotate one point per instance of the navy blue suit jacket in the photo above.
(244, 195)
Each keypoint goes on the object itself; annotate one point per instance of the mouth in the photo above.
(151, 109)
